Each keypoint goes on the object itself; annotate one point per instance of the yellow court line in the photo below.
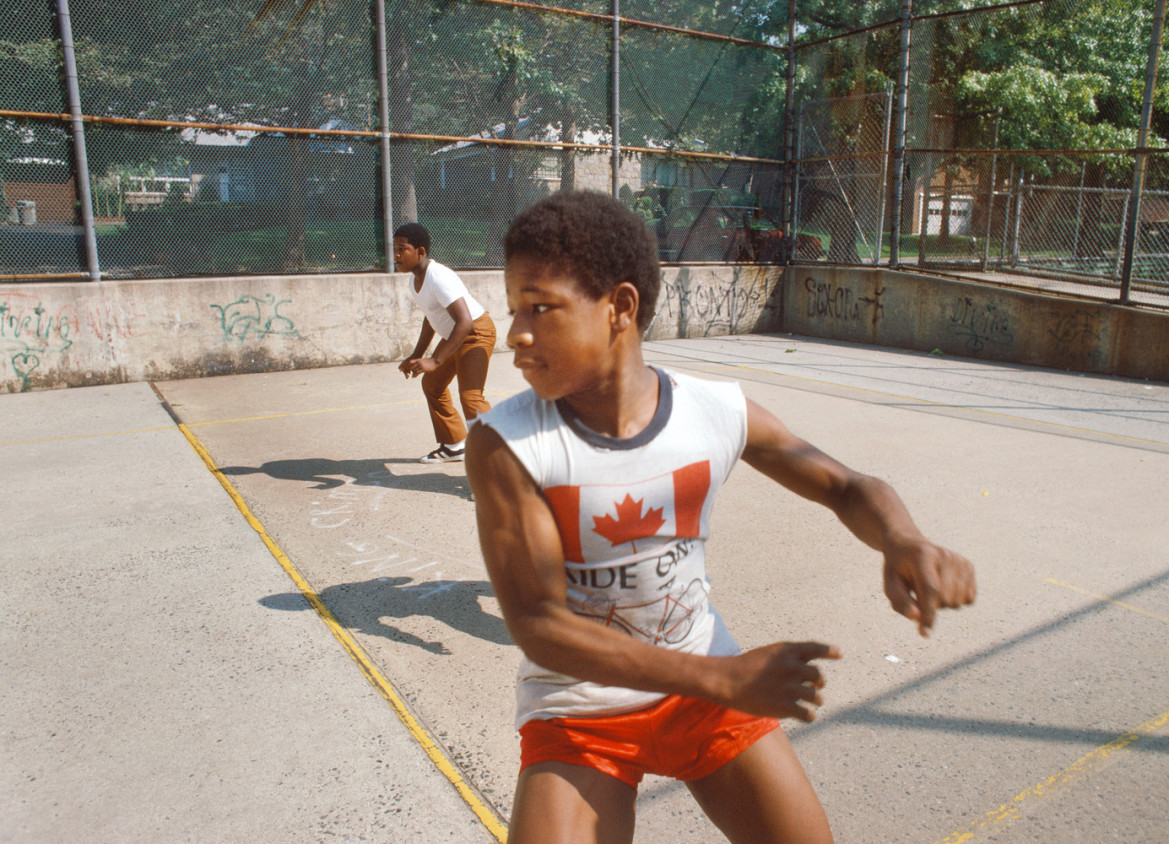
(379, 681)
(88, 436)
(1107, 599)
(503, 393)
(1050, 786)
(211, 422)
(301, 413)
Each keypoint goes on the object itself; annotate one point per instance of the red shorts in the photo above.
(680, 737)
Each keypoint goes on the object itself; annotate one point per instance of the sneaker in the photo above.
(442, 454)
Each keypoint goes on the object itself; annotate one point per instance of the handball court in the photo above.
(238, 609)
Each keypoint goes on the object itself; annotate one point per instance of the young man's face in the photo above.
(406, 255)
(560, 335)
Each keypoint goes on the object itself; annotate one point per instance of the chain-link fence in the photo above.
(1026, 145)
(1011, 141)
(247, 138)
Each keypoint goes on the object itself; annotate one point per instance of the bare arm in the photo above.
(525, 561)
(919, 576)
(425, 335)
(446, 347)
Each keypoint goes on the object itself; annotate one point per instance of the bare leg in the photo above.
(763, 796)
(558, 803)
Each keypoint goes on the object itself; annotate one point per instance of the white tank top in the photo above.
(633, 516)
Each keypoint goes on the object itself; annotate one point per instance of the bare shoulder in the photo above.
(495, 474)
(767, 434)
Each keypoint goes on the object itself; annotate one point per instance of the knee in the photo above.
(433, 385)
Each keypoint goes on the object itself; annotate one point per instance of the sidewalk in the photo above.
(166, 678)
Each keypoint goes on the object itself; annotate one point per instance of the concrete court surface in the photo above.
(165, 678)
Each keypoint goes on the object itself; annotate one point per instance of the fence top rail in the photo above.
(916, 19)
(1004, 151)
(634, 23)
(374, 133)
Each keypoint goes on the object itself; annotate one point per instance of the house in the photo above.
(38, 191)
(340, 172)
(470, 171)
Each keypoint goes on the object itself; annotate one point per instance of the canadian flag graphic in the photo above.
(596, 519)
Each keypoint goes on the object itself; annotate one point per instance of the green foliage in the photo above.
(642, 204)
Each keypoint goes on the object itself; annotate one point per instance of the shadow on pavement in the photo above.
(363, 607)
(325, 473)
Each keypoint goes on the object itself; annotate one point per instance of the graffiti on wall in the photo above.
(980, 325)
(255, 316)
(712, 306)
(32, 333)
(1076, 333)
(827, 300)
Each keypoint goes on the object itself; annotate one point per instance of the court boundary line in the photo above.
(482, 808)
(1004, 814)
(1106, 599)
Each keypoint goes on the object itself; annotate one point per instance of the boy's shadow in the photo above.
(361, 607)
(324, 474)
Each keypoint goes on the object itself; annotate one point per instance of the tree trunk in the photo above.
(568, 156)
(947, 209)
(295, 198)
(405, 196)
(502, 203)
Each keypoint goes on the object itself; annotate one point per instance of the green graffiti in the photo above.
(28, 334)
(256, 317)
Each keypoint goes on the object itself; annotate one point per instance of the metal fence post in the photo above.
(994, 162)
(798, 152)
(1007, 209)
(1079, 212)
(616, 94)
(884, 189)
(1015, 232)
(1133, 224)
(789, 116)
(383, 94)
(74, 92)
(899, 143)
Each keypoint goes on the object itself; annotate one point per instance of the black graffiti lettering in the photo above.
(980, 326)
(827, 300)
(711, 307)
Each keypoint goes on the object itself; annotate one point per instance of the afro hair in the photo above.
(415, 234)
(594, 239)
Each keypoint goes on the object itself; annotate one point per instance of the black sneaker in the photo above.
(442, 454)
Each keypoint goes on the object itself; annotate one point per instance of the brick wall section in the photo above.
(55, 203)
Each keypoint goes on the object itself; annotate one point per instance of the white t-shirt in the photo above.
(441, 288)
(633, 516)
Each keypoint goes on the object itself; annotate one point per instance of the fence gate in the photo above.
(842, 165)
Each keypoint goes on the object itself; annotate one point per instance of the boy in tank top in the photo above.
(593, 495)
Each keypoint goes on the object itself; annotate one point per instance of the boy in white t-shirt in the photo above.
(593, 493)
(467, 338)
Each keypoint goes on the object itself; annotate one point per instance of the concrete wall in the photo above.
(63, 335)
(902, 310)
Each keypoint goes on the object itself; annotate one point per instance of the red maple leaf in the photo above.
(630, 524)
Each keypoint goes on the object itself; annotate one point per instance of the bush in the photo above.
(197, 222)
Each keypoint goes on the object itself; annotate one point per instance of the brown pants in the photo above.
(469, 363)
